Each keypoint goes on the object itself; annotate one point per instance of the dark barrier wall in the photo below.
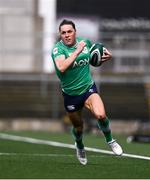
(105, 8)
(43, 99)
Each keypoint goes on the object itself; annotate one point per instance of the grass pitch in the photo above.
(22, 160)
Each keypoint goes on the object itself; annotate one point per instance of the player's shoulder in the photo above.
(88, 41)
(57, 47)
(83, 39)
(58, 44)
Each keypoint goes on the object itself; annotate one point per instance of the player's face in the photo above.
(68, 35)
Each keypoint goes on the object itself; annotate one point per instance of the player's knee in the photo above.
(100, 115)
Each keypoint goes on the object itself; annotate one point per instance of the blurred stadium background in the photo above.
(30, 96)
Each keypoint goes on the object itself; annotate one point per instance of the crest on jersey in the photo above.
(69, 54)
(85, 50)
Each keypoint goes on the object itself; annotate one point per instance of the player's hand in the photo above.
(106, 55)
(80, 46)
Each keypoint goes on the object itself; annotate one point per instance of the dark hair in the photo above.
(65, 22)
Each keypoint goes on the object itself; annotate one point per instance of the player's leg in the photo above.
(77, 131)
(73, 106)
(95, 104)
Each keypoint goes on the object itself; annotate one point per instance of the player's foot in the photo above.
(116, 148)
(81, 155)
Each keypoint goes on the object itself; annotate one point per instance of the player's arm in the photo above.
(106, 55)
(63, 63)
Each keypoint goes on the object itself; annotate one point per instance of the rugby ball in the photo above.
(96, 53)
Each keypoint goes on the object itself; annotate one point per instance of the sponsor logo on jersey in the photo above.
(91, 90)
(55, 51)
(71, 107)
(82, 62)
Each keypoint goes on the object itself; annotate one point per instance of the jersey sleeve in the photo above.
(56, 52)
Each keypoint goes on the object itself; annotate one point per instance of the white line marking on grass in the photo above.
(35, 154)
(58, 144)
(45, 155)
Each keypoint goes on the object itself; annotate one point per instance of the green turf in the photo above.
(43, 161)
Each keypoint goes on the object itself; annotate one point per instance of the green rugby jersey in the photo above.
(77, 79)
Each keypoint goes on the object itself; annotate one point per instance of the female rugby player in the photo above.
(71, 60)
